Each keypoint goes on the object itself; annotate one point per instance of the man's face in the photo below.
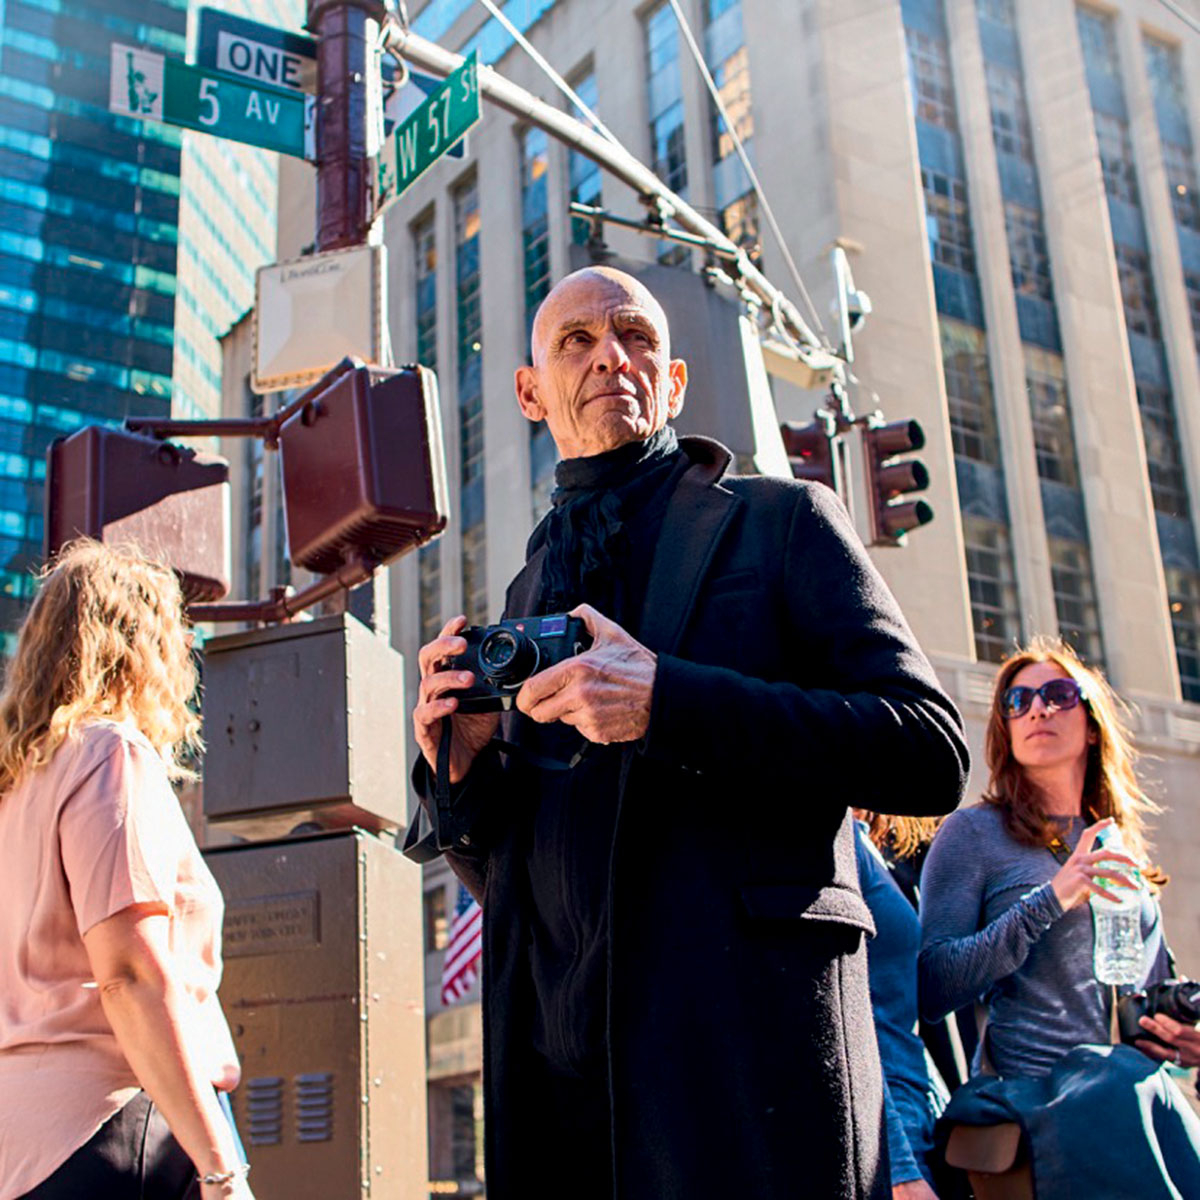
(602, 374)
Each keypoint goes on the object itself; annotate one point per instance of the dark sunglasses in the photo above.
(1056, 694)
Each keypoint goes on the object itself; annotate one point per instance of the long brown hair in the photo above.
(1110, 786)
(105, 637)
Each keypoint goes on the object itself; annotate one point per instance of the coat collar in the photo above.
(696, 517)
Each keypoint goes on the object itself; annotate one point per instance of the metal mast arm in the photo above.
(616, 160)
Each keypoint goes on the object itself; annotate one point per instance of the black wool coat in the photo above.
(742, 1052)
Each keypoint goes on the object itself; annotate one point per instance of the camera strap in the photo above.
(447, 837)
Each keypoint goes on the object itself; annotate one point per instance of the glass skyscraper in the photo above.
(113, 286)
(89, 206)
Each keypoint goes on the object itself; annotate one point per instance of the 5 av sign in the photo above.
(143, 83)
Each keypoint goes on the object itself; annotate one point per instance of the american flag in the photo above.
(459, 970)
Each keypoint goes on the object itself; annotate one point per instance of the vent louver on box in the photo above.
(314, 1107)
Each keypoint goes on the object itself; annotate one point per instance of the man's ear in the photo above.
(679, 376)
(527, 394)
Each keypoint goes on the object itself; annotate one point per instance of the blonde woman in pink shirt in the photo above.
(112, 1043)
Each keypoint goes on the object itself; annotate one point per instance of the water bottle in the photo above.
(1117, 923)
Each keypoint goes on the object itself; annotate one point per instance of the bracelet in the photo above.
(238, 1172)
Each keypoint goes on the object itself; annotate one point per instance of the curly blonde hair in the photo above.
(105, 637)
(1110, 787)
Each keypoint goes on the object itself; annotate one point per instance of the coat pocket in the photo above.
(798, 902)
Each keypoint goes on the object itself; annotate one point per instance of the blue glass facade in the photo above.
(89, 204)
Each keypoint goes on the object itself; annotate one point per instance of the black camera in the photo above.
(504, 656)
(1178, 999)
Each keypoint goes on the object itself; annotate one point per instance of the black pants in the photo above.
(132, 1156)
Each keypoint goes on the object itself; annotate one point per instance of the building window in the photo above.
(425, 260)
(584, 177)
(969, 393)
(1183, 596)
(1180, 167)
(993, 588)
(740, 222)
(437, 923)
(732, 78)
(1051, 416)
(470, 401)
(947, 221)
(1002, 12)
(255, 485)
(1191, 281)
(535, 233)
(1116, 158)
(456, 1135)
(1137, 291)
(535, 241)
(1028, 252)
(930, 80)
(668, 154)
(1010, 116)
(1099, 43)
(1163, 460)
(429, 571)
(1166, 74)
(1075, 598)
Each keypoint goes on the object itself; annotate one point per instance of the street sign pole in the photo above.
(347, 33)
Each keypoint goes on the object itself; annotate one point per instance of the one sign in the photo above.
(145, 84)
(259, 52)
(312, 312)
(424, 137)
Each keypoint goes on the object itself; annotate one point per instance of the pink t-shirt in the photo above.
(95, 830)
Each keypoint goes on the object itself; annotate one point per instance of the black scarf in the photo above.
(584, 532)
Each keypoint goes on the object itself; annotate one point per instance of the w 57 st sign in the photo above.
(449, 112)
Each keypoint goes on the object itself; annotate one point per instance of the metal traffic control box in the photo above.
(324, 993)
(304, 722)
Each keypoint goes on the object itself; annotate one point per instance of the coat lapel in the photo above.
(698, 514)
(525, 588)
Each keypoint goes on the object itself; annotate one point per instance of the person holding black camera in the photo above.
(1006, 922)
(675, 994)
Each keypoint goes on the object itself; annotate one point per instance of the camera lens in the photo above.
(507, 657)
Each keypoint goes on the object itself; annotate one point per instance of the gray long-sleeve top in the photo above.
(992, 930)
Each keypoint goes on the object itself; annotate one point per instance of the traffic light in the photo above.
(810, 451)
(169, 501)
(888, 480)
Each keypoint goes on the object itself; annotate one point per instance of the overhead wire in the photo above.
(751, 174)
(555, 78)
(1185, 17)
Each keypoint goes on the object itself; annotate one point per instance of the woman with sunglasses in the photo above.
(1005, 919)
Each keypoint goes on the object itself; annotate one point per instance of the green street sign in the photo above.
(143, 83)
(417, 143)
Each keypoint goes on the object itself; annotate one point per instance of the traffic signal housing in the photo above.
(890, 479)
(810, 451)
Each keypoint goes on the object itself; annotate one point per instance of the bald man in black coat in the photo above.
(675, 996)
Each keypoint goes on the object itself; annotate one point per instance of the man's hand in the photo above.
(604, 693)
(1184, 1041)
(472, 731)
